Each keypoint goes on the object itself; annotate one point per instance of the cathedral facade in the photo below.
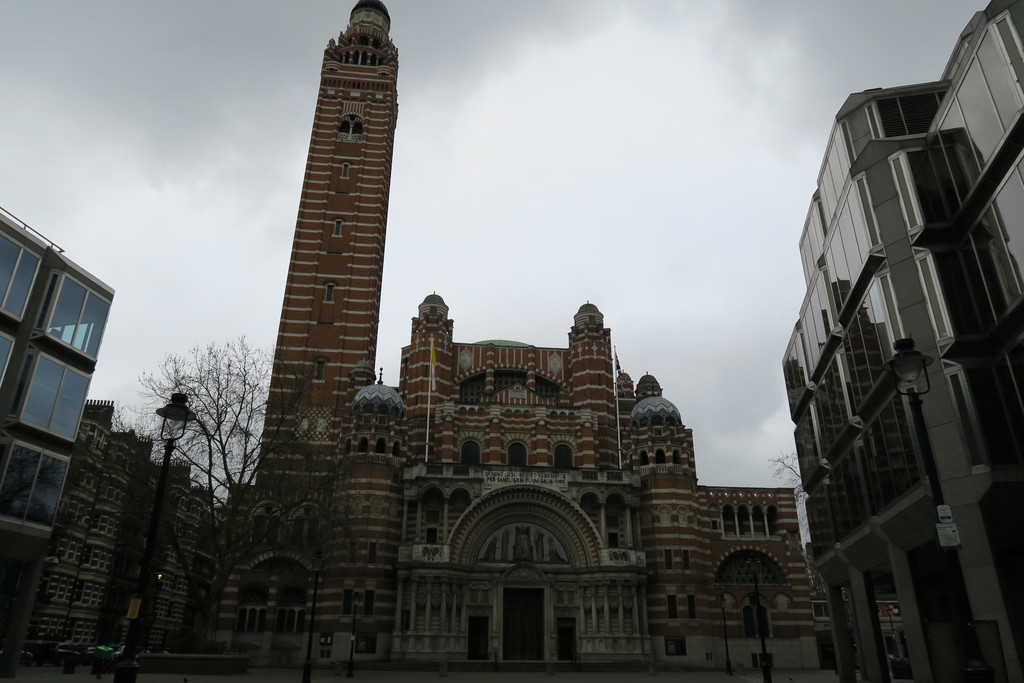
(505, 501)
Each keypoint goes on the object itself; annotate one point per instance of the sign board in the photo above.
(949, 537)
(945, 513)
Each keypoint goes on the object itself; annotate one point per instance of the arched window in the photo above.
(291, 613)
(644, 460)
(469, 454)
(329, 292)
(345, 128)
(319, 366)
(676, 459)
(396, 450)
(364, 445)
(563, 456)
(357, 130)
(517, 455)
(339, 225)
(252, 609)
(380, 446)
(752, 629)
(344, 169)
(659, 456)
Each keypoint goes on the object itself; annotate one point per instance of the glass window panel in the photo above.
(64, 321)
(980, 115)
(17, 269)
(5, 354)
(16, 490)
(68, 409)
(1001, 84)
(55, 398)
(891, 310)
(795, 371)
(807, 447)
(90, 329)
(954, 133)
(907, 200)
(815, 321)
(966, 415)
(46, 493)
(867, 213)
(9, 253)
(42, 393)
(17, 295)
(1012, 48)
(936, 306)
(1008, 214)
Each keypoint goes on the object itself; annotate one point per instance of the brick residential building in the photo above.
(505, 500)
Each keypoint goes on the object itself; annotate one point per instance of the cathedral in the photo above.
(505, 501)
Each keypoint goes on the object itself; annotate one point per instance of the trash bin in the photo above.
(70, 662)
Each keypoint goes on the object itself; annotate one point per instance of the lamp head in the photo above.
(175, 416)
(907, 365)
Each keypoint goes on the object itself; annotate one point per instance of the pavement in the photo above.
(53, 674)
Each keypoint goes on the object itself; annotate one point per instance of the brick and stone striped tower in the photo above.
(331, 306)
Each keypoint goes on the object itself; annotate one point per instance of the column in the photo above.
(603, 526)
(871, 648)
(764, 514)
(910, 616)
(622, 599)
(736, 518)
(605, 609)
(629, 527)
(414, 596)
(841, 636)
(428, 610)
(444, 523)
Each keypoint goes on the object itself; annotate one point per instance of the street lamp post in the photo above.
(307, 667)
(766, 670)
(352, 640)
(725, 634)
(175, 416)
(907, 367)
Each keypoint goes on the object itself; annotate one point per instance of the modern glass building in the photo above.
(52, 316)
(916, 230)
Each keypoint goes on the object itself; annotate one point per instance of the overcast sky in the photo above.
(655, 158)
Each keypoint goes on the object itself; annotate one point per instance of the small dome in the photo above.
(433, 305)
(588, 313)
(376, 6)
(655, 410)
(378, 398)
(647, 386)
(372, 4)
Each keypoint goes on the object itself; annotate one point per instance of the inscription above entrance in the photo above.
(558, 481)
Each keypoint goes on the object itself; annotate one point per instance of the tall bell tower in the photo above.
(329, 320)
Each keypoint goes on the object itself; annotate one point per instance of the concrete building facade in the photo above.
(505, 501)
(915, 231)
(52, 316)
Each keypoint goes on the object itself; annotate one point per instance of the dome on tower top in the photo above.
(375, 6)
(372, 4)
(655, 409)
(647, 386)
(433, 305)
(378, 398)
(588, 313)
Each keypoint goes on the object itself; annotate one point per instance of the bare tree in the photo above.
(241, 429)
(786, 470)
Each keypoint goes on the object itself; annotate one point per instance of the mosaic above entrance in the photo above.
(523, 543)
